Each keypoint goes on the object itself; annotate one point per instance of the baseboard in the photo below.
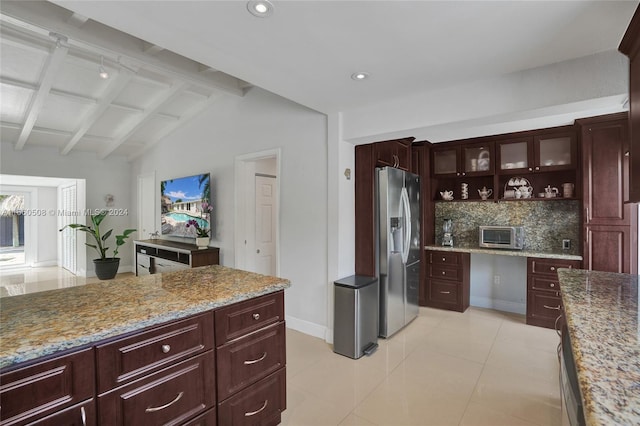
(306, 327)
(45, 264)
(499, 305)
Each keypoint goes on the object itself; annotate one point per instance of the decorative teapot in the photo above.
(485, 193)
(526, 191)
(550, 192)
(446, 195)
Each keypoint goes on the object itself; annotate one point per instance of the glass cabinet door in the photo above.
(477, 159)
(445, 161)
(514, 155)
(554, 151)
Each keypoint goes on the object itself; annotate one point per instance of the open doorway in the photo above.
(257, 243)
(12, 205)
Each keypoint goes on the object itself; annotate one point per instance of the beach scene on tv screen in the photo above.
(184, 199)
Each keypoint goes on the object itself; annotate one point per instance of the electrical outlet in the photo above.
(496, 279)
(566, 244)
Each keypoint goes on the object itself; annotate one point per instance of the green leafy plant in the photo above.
(101, 239)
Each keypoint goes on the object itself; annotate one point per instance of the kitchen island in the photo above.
(114, 347)
(602, 318)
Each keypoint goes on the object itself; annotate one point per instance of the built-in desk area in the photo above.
(518, 281)
(159, 256)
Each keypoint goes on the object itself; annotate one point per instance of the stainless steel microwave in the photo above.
(507, 237)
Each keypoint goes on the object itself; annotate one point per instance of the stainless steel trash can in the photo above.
(355, 316)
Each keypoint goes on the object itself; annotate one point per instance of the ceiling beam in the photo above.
(50, 70)
(192, 112)
(55, 132)
(114, 89)
(77, 20)
(148, 113)
(45, 16)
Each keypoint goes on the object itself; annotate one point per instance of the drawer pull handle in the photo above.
(253, 413)
(83, 415)
(552, 285)
(253, 361)
(444, 273)
(444, 259)
(162, 407)
(555, 308)
(256, 317)
(445, 292)
(553, 268)
(166, 349)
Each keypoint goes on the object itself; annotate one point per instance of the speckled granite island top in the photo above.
(39, 324)
(602, 316)
(506, 252)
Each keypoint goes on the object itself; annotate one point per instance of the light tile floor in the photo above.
(482, 367)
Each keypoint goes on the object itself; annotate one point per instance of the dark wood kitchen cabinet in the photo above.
(222, 367)
(544, 303)
(367, 157)
(447, 280)
(51, 390)
(542, 151)
(251, 361)
(463, 159)
(630, 46)
(609, 224)
(394, 153)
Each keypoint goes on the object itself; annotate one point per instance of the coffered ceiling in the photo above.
(169, 60)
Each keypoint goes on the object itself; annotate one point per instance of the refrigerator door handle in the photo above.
(407, 225)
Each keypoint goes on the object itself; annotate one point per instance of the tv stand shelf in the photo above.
(158, 256)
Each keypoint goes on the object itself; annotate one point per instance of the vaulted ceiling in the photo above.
(169, 60)
(51, 93)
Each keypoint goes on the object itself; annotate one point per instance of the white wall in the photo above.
(110, 176)
(262, 121)
(541, 97)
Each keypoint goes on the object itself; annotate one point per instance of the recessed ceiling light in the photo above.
(260, 8)
(359, 76)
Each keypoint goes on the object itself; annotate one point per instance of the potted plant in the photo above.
(106, 267)
(202, 233)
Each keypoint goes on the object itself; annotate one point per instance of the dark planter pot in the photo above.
(107, 268)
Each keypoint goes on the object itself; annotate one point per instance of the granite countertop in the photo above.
(507, 252)
(39, 324)
(602, 315)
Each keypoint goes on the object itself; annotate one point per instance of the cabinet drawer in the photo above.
(169, 396)
(444, 258)
(134, 356)
(550, 266)
(443, 292)
(249, 359)
(83, 414)
(543, 308)
(151, 251)
(444, 273)
(144, 263)
(244, 317)
(545, 283)
(260, 404)
(43, 388)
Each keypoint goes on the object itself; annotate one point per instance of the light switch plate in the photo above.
(566, 244)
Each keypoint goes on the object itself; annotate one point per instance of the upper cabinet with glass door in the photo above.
(542, 152)
(463, 160)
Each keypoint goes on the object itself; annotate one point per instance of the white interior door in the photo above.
(266, 214)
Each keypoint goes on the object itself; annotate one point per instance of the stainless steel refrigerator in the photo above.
(398, 247)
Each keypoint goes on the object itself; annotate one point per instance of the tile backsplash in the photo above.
(546, 223)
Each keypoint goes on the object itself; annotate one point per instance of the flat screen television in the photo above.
(184, 199)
